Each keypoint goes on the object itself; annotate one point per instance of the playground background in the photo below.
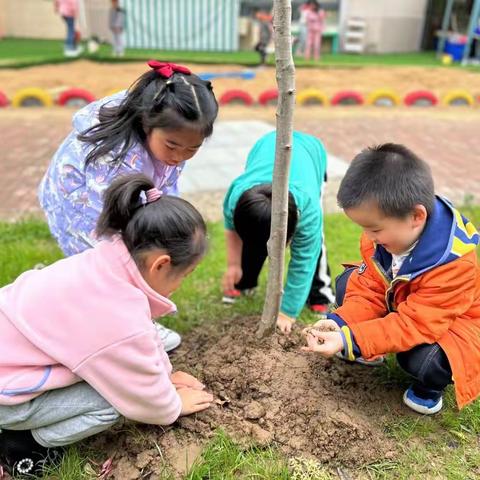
(356, 426)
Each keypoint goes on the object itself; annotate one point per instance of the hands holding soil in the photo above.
(323, 337)
(192, 394)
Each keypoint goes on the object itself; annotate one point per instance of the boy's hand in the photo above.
(232, 276)
(285, 323)
(183, 379)
(326, 344)
(194, 400)
(326, 326)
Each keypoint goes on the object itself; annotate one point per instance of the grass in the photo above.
(20, 52)
(443, 446)
(222, 459)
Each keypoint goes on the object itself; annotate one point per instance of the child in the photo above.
(117, 26)
(68, 10)
(264, 19)
(302, 32)
(151, 128)
(417, 292)
(79, 349)
(315, 26)
(247, 212)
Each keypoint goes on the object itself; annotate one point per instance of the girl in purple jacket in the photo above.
(152, 128)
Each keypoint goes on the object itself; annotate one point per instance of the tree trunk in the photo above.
(286, 99)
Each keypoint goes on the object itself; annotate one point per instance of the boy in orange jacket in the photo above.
(417, 291)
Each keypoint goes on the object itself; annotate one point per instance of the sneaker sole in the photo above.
(421, 409)
(361, 361)
(173, 346)
(228, 300)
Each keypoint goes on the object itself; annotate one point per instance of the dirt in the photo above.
(270, 393)
(102, 78)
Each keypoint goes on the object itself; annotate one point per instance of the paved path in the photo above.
(449, 141)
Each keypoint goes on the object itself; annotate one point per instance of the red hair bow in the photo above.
(166, 70)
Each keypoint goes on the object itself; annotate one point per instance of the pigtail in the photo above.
(121, 201)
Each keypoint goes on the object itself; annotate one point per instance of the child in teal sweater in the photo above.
(247, 214)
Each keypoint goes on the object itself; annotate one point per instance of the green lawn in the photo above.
(443, 446)
(15, 52)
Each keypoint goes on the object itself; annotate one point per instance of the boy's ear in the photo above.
(420, 215)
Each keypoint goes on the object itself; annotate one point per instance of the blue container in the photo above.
(455, 50)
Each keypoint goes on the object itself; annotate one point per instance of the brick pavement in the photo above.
(449, 140)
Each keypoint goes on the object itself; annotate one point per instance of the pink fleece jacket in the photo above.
(88, 317)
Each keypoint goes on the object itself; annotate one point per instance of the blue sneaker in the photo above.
(427, 406)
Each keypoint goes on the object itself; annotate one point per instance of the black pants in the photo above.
(426, 363)
(254, 257)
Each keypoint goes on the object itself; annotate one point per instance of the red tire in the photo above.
(268, 97)
(3, 100)
(348, 97)
(420, 98)
(236, 96)
(75, 97)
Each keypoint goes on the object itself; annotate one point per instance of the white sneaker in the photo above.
(170, 339)
(73, 53)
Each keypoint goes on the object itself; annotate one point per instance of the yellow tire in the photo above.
(32, 97)
(384, 98)
(312, 97)
(457, 98)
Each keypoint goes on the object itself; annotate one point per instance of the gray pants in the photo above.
(118, 44)
(60, 417)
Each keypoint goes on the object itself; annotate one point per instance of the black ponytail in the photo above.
(181, 101)
(169, 223)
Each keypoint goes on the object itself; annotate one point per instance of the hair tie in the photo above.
(148, 196)
(166, 70)
(153, 194)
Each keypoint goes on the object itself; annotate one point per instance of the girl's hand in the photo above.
(183, 379)
(194, 400)
(232, 276)
(285, 323)
(326, 344)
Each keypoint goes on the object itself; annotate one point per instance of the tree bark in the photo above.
(285, 72)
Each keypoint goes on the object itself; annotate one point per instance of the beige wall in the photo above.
(37, 19)
(32, 18)
(2, 18)
(392, 25)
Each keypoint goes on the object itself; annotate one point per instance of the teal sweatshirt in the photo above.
(307, 174)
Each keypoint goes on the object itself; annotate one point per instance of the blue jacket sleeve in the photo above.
(351, 350)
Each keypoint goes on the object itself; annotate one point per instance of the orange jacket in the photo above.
(434, 298)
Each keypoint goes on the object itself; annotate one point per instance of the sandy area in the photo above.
(103, 78)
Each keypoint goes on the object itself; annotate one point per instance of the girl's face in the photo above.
(173, 147)
(161, 276)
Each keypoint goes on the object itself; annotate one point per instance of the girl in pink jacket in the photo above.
(79, 348)
(68, 10)
(315, 26)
